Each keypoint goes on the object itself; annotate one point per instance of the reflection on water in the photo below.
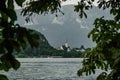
(48, 69)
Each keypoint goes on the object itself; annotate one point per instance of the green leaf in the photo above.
(85, 14)
(93, 71)
(2, 50)
(79, 73)
(15, 64)
(10, 4)
(12, 14)
(5, 17)
(16, 46)
(19, 2)
(9, 61)
(102, 76)
(3, 77)
(6, 65)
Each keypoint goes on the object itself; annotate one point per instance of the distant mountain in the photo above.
(65, 28)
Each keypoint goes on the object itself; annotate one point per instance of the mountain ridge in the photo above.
(68, 27)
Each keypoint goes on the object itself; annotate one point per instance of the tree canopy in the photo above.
(13, 37)
(106, 34)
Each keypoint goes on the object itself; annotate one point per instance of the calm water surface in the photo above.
(48, 69)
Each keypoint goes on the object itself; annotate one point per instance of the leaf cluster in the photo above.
(41, 7)
(13, 37)
(106, 34)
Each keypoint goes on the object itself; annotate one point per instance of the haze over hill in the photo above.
(65, 28)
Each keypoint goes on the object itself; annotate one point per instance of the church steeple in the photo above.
(66, 44)
(82, 48)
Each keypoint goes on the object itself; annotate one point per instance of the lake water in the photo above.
(48, 69)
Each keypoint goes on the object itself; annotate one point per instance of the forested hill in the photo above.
(46, 50)
(43, 48)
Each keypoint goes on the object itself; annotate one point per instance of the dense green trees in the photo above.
(106, 34)
(47, 52)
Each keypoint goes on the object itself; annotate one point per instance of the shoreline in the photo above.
(50, 59)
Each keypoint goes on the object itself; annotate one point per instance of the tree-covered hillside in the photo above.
(44, 49)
